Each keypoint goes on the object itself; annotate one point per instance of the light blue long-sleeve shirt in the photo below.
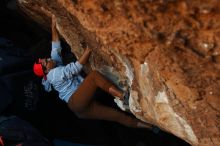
(64, 79)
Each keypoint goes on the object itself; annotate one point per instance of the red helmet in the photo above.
(38, 69)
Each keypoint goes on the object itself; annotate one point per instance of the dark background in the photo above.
(45, 111)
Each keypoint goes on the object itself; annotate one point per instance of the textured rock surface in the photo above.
(167, 51)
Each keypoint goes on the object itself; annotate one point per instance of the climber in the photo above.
(76, 91)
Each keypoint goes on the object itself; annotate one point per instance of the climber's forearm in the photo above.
(55, 36)
(84, 58)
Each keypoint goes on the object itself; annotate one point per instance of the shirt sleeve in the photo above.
(72, 69)
(47, 85)
(56, 52)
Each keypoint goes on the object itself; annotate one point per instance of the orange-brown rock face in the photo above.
(167, 51)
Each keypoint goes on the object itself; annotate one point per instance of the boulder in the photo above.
(167, 52)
